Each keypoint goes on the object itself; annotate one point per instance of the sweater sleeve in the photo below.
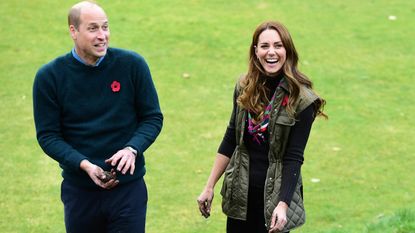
(149, 116)
(294, 155)
(228, 144)
(46, 110)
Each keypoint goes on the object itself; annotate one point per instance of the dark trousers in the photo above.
(255, 222)
(119, 210)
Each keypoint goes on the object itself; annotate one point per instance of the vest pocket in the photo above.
(285, 120)
(227, 183)
(278, 136)
(226, 190)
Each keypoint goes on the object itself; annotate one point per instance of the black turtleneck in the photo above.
(258, 153)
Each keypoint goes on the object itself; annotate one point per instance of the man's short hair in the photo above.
(74, 14)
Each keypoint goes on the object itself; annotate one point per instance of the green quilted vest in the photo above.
(236, 179)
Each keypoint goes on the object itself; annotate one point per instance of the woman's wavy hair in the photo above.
(254, 95)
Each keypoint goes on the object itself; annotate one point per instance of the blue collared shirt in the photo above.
(77, 57)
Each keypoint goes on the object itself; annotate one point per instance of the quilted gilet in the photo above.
(236, 178)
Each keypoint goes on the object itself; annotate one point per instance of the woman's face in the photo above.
(270, 51)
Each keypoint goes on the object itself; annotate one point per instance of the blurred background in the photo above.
(359, 165)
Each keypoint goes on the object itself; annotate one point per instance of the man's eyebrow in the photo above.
(95, 23)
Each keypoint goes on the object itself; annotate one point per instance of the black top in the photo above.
(258, 153)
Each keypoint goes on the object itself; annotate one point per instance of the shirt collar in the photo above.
(283, 83)
(77, 57)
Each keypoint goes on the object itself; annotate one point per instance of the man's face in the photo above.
(92, 36)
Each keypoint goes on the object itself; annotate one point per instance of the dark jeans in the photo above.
(119, 210)
(255, 222)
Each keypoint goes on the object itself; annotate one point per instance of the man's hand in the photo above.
(109, 175)
(98, 175)
(125, 159)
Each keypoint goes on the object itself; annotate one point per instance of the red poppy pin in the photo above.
(285, 101)
(115, 86)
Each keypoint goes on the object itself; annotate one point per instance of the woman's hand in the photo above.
(279, 217)
(205, 202)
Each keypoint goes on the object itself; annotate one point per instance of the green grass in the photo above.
(360, 61)
(401, 222)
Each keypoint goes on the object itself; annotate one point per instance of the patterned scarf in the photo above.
(257, 130)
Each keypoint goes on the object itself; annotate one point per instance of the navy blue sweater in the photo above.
(82, 113)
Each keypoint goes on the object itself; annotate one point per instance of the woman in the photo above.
(262, 151)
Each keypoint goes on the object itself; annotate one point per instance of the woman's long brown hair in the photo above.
(253, 96)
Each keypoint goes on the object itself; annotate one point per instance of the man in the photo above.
(96, 111)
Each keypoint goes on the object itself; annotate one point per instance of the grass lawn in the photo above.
(359, 57)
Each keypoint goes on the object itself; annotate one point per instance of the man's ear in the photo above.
(72, 31)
